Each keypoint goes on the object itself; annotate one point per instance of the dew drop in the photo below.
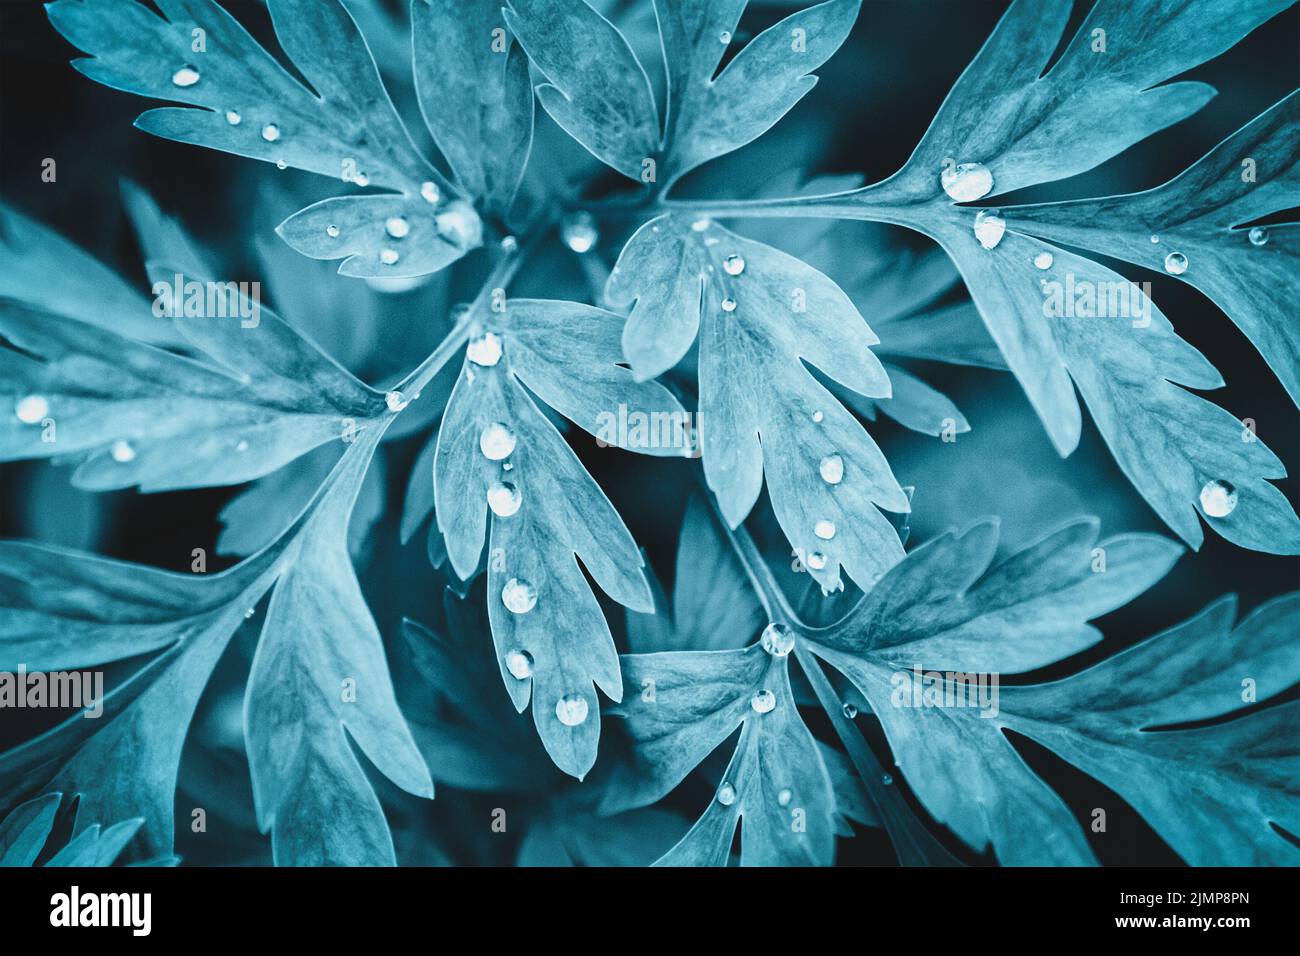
(460, 225)
(734, 265)
(519, 596)
(724, 37)
(185, 76)
(777, 640)
(571, 709)
(503, 498)
(815, 560)
(1175, 263)
(332, 231)
(249, 613)
(123, 452)
(496, 441)
(850, 711)
(763, 701)
(1043, 260)
(966, 182)
(519, 664)
(832, 469)
(699, 225)
(824, 529)
(485, 349)
(395, 401)
(388, 257)
(270, 132)
(726, 794)
(886, 779)
(241, 446)
(429, 192)
(1257, 236)
(233, 117)
(1154, 240)
(579, 232)
(818, 416)
(509, 243)
(989, 227)
(784, 797)
(281, 164)
(728, 304)
(361, 179)
(397, 227)
(32, 409)
(1218, 498)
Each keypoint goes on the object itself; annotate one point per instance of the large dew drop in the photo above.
(763, 701)
(429, 192)
(503, 498)
(726, 794)
(397, 227)
(815, 560)
(733, 265)
(1218, 498)
(32, 409)
(1257, 236)
(1175, 263)
(270, 132)
(460, 225)
(485, 349)
(496, 441)
(832, 469)
(777, 640)
(519, 596)
(185, 76)
(824, 529)
(784, 796)
(990, 227)
(519, 664)
(122, 452)
(395, 401)
(571, 709)
(233, 117)
(579, 232)
(1043, 260)
(728, 304)
(966, 182)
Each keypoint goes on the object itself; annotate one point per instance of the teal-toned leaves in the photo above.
(24, 831)
(244, 102)
(498, 454)
(475, 94)
(759, 315)
(94, 846)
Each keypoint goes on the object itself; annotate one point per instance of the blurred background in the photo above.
(871, 106)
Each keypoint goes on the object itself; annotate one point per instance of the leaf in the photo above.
(24, 831)
(474, 93)
(548, 509)
(343, 124)
(93, 847)
(568, 838)
(765, 413)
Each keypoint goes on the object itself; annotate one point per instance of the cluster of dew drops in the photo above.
(967, 182)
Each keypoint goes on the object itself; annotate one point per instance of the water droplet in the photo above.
(519, 664)
(503, 498)
(361, 179)
(724, 37)
(281, 164)
(1155, 239)
(185, 76)
(571, 709)
(733, 264)
(818, 416)
(397, 227)
(1218, 498)
(496, 441)
(388, 257)
(249, 613)
(989, 227)
(332, 231)
(824, 529)
(241, 446)
(519, 596)
(460, 225)
(966, 182)
(784, 797)
(233, 117)
(832, 469)
(507, 466)
(485, 349)
(429, 192)
(763, 701)
(726, 794)
(886, 779)
(699, 225)
(815, 560)
(850, 711)
(1175, 263)
(509, 243)
(1257, 236)
(32, 409)
(777, 640)
(1043, 260)
(728, 304)
(123, 452)
(395, 401)
(270, 132)
(579, 232)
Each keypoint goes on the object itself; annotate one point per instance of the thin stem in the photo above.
(848, 204)
(769, 593)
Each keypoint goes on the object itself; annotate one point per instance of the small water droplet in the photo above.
(1175, 263)
(1155, 239)
(519, 596)
(815, 560)
(763, 701)
(726, 794)
(850, 711)
(832, 469)
(332, 231)
(966, 182)
(1043, 260)
(496, 441)
(460, 225)
(397, 227)
(361, 179)
(733, 264)
(388, 257)
(185, 76)
(519, 664)
(123, 452)
(886, 779)
(32, 409)
(990, 227)
(1218, 498)
(249, 613)
(395, 401)
(699, 225)
(507, 466)
(241, 446)
(824, 529)
(724, 37)
(429, 192)
(579, 232)
(509, 243)
(485, 349)
(281, 164)
(1258, 236)
(784, 797)
(571, 709)
(270, 132)
(728, 304)
(818, 416)
(503, 498)
(233, 117)
(777, 640)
